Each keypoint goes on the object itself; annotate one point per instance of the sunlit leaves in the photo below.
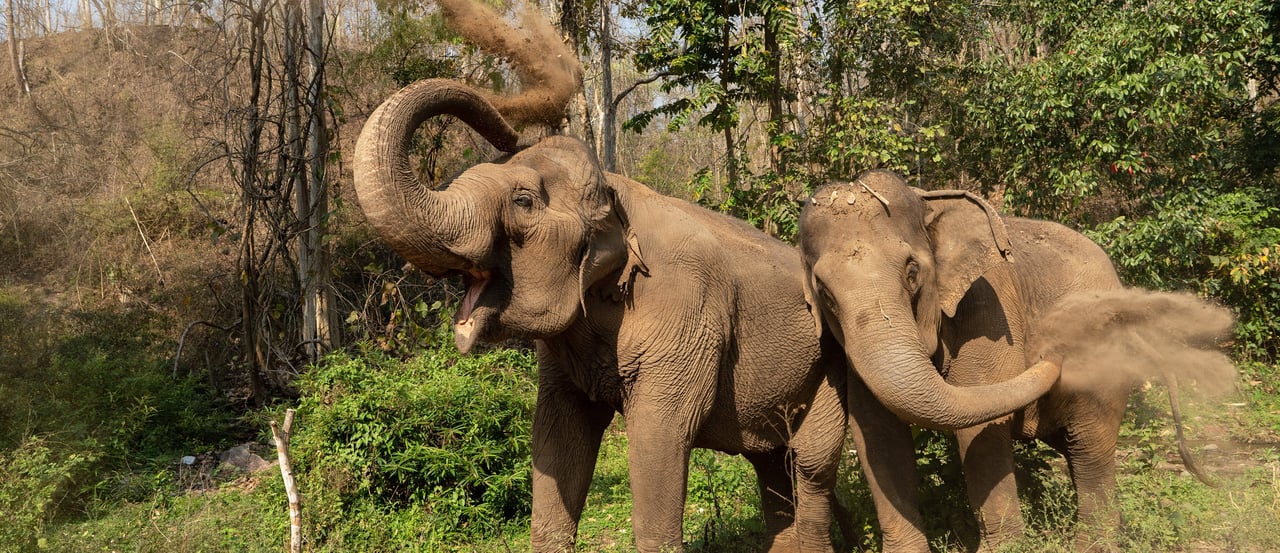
(716, 56)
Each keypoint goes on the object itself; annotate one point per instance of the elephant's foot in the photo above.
(784, 541)
(549, 545)
(996, 535)
(789, 541)
(911, 542)
(657, 545)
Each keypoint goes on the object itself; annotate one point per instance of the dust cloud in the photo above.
(1126, 337)
(549, 72)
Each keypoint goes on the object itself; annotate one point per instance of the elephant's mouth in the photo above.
(471, 319)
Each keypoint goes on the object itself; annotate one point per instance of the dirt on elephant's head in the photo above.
(1131, 335)
(549, 71)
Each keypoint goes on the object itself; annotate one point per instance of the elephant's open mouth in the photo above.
(466, 328)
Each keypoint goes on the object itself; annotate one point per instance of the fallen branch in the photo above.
(145, 241)
(183, 338)
(281, 437)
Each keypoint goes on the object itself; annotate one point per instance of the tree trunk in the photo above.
(281, 434)
(773, 55)
(319, 291)
(299, 173)
(15, 57)
(86, 15)
(726, 79)
(609, 116)
(255, 347)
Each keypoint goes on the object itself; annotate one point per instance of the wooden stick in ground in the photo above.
(281, 437)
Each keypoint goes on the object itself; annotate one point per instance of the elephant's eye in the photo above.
(913, 276)
(522, 198)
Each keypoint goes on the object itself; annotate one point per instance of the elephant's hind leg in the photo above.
(1091, 458)
(777, 497)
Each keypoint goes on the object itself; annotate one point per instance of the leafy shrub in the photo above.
(1220, 245)
(33, 477)
(441, 439)
(97, 381)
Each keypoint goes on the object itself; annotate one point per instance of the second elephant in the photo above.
(906, 279)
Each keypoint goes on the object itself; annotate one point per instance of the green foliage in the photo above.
(1126, 104)
(942, 483)
(90, 395)
(765, 204)
(719, 55)
(1221, 245)
(866, 133)
(33, 478)
(400, 47)
(723, 504)
(439, 443)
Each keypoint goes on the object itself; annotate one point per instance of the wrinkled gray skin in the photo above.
(689, 323)
(903, 277)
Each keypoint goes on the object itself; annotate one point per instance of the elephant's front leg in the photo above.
(816, 446)
(1089, 444)
(567, 428)
(887, 454)
(661, 424)
(986, 453)
(658, 448)
(774, 472)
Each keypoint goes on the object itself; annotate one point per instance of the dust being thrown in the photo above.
(1125, 337)
(549, 72)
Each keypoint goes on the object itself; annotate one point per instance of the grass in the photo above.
(1164, 508)
(245, 515)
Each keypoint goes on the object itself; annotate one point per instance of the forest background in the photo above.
(183, 259)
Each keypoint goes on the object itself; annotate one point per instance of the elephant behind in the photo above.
(908, 278)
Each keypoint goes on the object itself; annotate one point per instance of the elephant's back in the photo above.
(1052, 261)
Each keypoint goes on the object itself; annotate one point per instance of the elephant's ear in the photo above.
(810, 297)
(611, 246)
(968, 237)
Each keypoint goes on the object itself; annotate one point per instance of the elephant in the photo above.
(691, 324)
(939, 281)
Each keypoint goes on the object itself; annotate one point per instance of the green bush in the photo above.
(441, 439)
(1221, 245)
(33, 478)
(92, 390)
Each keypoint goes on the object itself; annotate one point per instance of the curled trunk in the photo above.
(892, 363)
(431, 229)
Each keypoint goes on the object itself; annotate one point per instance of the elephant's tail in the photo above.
(1119, 338)
(1171, 384)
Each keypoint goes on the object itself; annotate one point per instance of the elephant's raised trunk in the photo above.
(434, 230)
(892, 363)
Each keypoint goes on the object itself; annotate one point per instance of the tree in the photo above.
(276, 150)
(16, 49)
(725, 54)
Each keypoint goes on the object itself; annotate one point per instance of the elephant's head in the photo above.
(528, 233)
(885, 262)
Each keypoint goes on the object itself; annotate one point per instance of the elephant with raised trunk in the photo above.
(939, 284)
(691, 324)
